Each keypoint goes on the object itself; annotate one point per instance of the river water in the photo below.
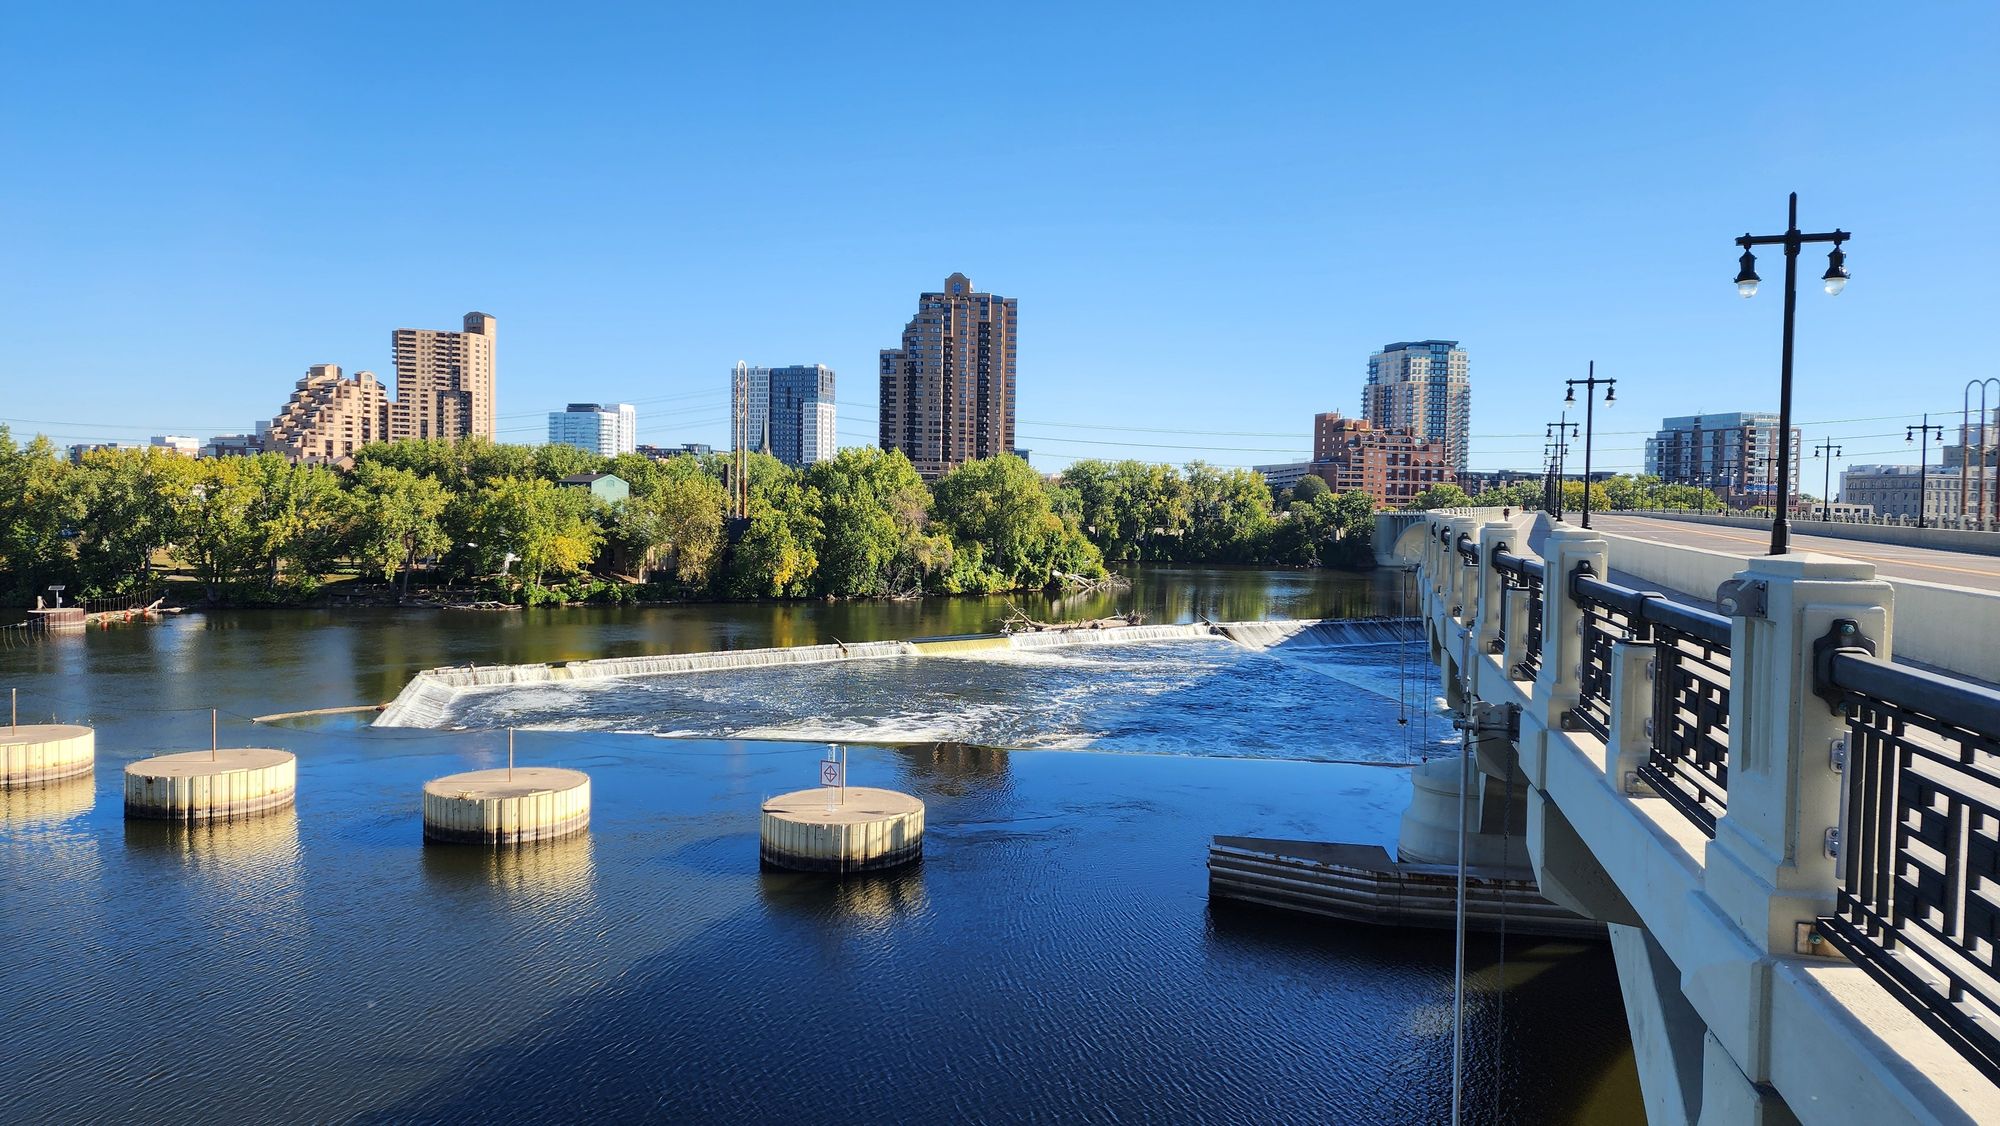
(1053, 958)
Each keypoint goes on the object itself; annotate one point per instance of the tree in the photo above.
(299, 514)
(40, 506)
(1003, 507)
(676, 518)
(399, 516)
(873, 512)
(778, 553)
(219, 537)
(551, 530)
(1229, 514)
(1310, 487)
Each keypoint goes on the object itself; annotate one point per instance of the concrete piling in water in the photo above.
(34, 753)
(819, 831)
(506, 807)
(216, 784)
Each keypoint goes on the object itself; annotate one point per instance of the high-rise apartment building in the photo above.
(1424, 387)
(948, 391)
(606, 431)
(1733, 455)
(1391, 465)
(788, 412)
(329, 417)
(444, 381)
(444, 389)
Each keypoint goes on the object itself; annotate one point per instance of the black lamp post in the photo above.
(1923, 462)
(1557, 435)
(1835, 280)
(1590, 385)
(1829, 451)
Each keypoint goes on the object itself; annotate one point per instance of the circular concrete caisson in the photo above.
(486, 807)
(211, 785)
(32, 753)
(816, 831)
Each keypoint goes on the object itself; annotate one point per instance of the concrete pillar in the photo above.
(1631, 711)
(1668, 1038)
(1464, 578)
(1567, 871)
(1487, 630)
(1558, 684)
(1728, 1097)
(1767, 867)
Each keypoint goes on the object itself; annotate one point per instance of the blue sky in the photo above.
(1211, 215)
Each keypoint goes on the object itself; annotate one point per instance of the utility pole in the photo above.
(1826, 449)
(1923, 462)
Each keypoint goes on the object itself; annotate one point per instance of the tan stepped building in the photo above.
(444, 389)
(329, 417)
(948, 392)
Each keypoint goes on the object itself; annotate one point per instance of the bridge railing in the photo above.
(1918, 851)
(1911, 873)
(1522, 577)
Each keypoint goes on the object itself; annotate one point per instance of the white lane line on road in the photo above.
(1842, 549)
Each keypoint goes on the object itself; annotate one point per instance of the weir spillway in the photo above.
(1234, 688)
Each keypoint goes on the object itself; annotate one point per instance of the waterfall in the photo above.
(427, 700)
(1311, 633)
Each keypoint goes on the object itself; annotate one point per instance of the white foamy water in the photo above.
(1310, 690)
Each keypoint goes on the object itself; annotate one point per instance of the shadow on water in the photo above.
(1539, 992)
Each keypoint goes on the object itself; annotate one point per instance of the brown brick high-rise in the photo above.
(948, 392)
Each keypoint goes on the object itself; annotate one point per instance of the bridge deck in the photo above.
(1892, 561)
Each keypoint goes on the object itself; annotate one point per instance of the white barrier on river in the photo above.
(426, 701)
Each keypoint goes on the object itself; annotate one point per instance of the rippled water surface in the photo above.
(1053, 957)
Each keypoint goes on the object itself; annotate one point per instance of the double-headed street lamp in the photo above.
(1923, 462)
(1829, 451)
(1835, 280)
(1556, 436)
(1590, 385)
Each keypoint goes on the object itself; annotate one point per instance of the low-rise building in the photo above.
(1392, 466)
(1891, 490)
(177, 444)
(607, 487)
(1284, 474)
(234, 445)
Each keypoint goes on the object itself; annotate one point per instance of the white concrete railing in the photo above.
(1741, 1009)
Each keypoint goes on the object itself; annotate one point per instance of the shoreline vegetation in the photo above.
(473, 522)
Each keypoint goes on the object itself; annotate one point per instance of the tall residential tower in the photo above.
(948, 392)
(1422, 386)
(444, 381)
(786, 412)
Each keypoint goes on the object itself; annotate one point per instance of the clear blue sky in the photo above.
(1211, 216)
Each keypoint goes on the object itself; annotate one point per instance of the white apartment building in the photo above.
(603, 430)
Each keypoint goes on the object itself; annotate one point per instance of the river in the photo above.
(1054, 956)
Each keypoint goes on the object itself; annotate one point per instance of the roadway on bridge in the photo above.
(1952, 568)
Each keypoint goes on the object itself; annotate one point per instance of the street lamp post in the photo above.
(1972, 433)
(1557, 435)
(1829, 451)
(1835, 280)
(1923, 462)
(1590, 385)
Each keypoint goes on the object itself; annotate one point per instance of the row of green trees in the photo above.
(1620, 493)
(861, 524)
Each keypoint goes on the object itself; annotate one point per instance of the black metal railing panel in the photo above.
(1609, 614)
(1919, 900)
(1688, 761)
(1531, 648)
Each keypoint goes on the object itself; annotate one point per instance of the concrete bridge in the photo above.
(1777, 779)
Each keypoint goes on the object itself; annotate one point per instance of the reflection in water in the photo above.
(539, 872)
(29, 807)
(955, 768)
(238, 878)
(239, 846)
(871, 898)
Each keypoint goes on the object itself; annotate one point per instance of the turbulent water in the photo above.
(1264, 690)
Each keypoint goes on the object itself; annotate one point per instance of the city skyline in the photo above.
(1560, 234)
